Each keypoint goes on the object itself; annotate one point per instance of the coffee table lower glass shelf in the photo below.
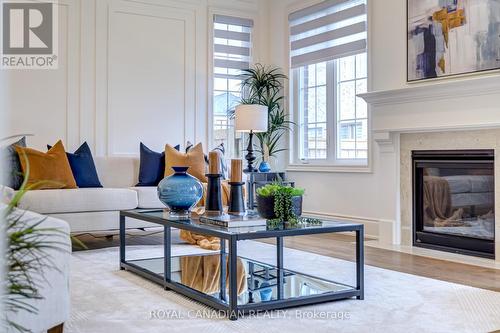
(235, 284)
(259, 283)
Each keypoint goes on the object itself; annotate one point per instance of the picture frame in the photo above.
(435, 32)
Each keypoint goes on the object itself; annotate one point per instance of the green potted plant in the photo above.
(264, 85)
(277, 201)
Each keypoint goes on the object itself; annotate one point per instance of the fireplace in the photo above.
(454, 201)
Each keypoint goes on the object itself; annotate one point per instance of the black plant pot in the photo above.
(265, 206)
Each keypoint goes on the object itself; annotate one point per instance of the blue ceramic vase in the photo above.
(264, 166)
(180, 192)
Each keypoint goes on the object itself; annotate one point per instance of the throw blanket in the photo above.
(437, 200)
(206, 242)
(202, 273)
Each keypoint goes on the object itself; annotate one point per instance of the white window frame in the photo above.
(332, 164)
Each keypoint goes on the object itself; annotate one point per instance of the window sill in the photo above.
(329, 168)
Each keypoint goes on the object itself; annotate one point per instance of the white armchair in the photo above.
(53, 309)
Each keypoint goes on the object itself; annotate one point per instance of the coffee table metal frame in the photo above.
(230, 306)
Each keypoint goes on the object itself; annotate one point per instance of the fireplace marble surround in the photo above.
(456, 114)
(479, 139)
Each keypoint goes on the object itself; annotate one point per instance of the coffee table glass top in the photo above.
(164, 215)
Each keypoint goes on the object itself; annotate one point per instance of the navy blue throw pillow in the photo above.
(13, 177)
(152, 166)
(83, 167)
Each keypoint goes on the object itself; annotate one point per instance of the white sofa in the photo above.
(54, 306)
(97, 209)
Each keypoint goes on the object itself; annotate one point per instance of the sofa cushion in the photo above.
(152, 166)
(13, 173)
(79, 200)
(221, 151)
(47, 170)
(194, 159)
(6, 194)
(83, 167)
(147, 197)
(107, 222)
(117, 171)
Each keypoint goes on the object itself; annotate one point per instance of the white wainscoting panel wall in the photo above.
(129, 71)
(46, 102)
(151, 85)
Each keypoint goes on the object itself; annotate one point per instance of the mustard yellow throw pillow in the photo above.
(51, 167)
(194, 159)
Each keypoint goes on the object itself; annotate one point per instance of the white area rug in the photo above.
(105, 299)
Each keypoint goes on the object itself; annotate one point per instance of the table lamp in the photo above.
(250, 118)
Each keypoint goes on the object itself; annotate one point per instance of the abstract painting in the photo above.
(449, 37)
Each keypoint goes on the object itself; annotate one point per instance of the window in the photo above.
(312, 106)
(352, 111)
(231, 53)
(329, 64)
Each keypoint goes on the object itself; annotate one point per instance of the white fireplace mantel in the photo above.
(445, 114)
(466, 104)
(439, 90)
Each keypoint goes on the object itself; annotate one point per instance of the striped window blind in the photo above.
(329, 30)
(232, 52)
(232, 45)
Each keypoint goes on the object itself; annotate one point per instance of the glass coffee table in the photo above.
(241, 285)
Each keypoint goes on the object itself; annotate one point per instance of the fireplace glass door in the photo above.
(455, 201)
(459, 201)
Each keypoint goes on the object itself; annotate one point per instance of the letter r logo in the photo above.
(27, 28)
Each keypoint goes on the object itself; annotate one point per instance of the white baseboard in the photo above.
(434, 254)
(372, 226)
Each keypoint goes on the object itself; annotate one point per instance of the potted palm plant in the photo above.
(264, 85)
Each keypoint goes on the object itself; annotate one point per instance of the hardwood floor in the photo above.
(56, 329)
(342, 246)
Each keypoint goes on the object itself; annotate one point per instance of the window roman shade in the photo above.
(328, 30)
(232, 44)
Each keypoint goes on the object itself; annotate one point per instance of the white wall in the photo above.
(46, 102)
(129, 71)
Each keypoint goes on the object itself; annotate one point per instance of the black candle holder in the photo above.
(236, 201)
(213, 201)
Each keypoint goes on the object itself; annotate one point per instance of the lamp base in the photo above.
(252, 170)
(250, 157)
